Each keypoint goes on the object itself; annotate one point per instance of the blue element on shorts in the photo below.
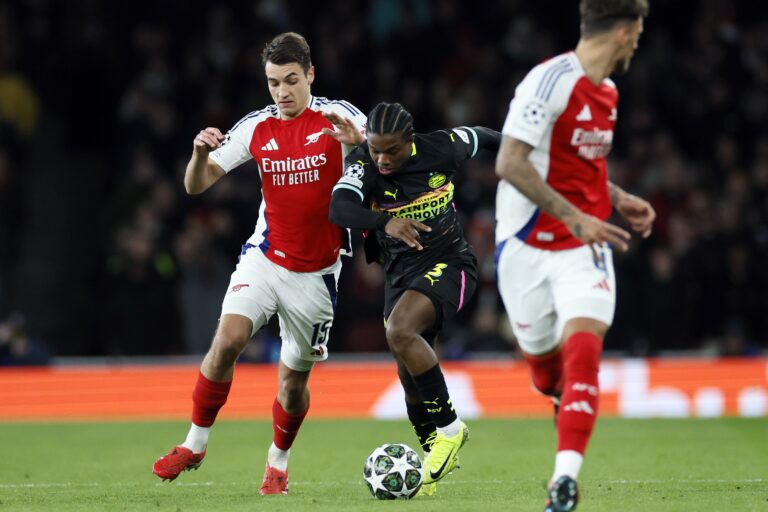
(525, 232)
(497, 257)
(264, 246)
(600, 261)
(330, 283)
(244, 250)
(497, 254)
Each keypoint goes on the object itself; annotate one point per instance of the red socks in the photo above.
(547, 372)
(578, 404)
(207, 398)
(286, 426)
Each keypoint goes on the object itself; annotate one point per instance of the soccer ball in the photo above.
(393, 471)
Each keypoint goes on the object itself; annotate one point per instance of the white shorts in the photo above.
(304, 303)
(542, 290)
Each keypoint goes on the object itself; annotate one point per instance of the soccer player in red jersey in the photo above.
(291, 263)
(553, 242)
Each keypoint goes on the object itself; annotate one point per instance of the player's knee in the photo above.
(585, 325)
(398, 336)
(227, 346)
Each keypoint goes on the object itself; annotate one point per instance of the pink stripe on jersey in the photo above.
(463, 286)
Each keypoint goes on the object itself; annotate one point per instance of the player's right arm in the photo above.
(202, 172)
(347, 211)
(539, 100)
(514, 166)
(346, 130)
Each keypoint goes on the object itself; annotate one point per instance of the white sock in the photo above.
(567, 462)
(278, 458)
(197, 438)
(452, 429)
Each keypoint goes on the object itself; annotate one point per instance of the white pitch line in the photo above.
(689, 481)
(46, 485)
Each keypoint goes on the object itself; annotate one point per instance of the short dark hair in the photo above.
(599, 16)
(390, 118)
(287, 48)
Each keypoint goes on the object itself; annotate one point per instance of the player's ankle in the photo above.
(567, 463)
(277, 458)
(452, 429)
(197, 439)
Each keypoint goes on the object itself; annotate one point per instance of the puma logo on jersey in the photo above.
(585, 114)
(239, 287)
(393, 195)
(312, 138)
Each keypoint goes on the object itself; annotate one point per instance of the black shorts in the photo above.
(449, 285)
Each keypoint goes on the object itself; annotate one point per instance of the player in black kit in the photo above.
(398, 185)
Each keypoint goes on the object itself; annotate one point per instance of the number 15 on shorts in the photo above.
(320, 333)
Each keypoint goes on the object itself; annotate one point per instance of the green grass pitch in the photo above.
(643, 465)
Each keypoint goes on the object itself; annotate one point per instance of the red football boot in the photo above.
(275, 481)
(168, 467)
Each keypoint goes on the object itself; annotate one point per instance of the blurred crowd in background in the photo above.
(103, 253)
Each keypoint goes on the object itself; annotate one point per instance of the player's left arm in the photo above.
(467, 141)
(638, 212)
(487, 138)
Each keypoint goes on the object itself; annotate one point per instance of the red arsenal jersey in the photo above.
(299, 167)
(569, 121)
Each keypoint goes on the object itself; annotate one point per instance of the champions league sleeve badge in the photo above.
(354, 171)
(534, 113)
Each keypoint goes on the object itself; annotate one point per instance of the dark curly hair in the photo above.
(390, 118)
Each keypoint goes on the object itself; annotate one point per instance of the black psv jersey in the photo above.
(422, 189)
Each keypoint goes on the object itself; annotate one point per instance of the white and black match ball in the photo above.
(393, 471)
